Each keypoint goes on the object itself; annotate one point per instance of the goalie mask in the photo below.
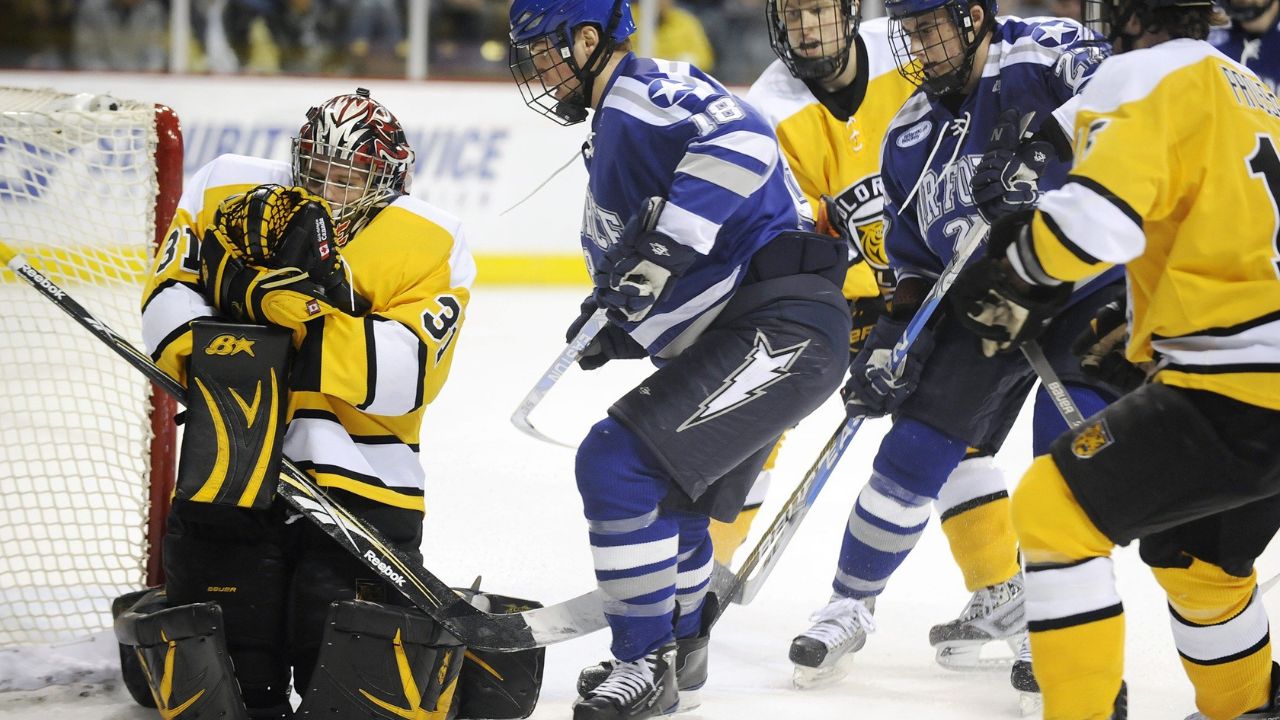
(541, 57)
(813, 38)
(352, 152)
(935, 41)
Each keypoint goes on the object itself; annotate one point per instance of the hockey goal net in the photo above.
(88, 185)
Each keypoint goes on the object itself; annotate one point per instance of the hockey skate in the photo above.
(1030, 701)
(691, 672)
(994, 613)
(635, 690)
(1270, 712)
(824, 652)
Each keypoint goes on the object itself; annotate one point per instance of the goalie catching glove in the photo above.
(270, 257)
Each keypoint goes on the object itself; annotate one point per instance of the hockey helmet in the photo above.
(350, 150)
(935, 42)
(1108, 18)
(541, 56)
(813, 38)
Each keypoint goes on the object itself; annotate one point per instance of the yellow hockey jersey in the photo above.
(838, 153)
(359, 385)
(1177, 177)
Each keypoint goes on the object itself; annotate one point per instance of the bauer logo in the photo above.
(42, 281)
(229, 345)
(915, 134)
(1092, 440)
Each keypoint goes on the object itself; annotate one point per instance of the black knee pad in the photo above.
(235, 557)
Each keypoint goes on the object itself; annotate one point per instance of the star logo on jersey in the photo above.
(763, 367)
(665, 92)
(1053, 34)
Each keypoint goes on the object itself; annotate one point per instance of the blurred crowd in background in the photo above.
(367, 38)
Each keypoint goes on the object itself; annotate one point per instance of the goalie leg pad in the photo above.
(501, 685)
(236, 557)
(382, 661)
(236, 400)
(182, 656)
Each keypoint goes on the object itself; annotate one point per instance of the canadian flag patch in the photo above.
(313, 307)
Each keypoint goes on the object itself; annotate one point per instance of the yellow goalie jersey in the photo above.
(837, 152)
(1177, 176)
(359, 384)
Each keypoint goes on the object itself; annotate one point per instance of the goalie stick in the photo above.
(564, 361)
(470, 625)
(743, 586)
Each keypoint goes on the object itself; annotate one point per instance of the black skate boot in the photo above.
(1030, 702)
(633, 690)
(823, 653)
(691, 663)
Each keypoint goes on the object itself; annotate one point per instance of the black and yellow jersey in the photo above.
(832, 142)
(1177, 176)
(359, 384)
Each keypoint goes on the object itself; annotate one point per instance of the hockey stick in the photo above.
(1052, 383)
(471, 626)
(746, 583)
(564, 361)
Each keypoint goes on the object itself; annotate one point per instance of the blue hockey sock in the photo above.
(693, 572)
(634, 546)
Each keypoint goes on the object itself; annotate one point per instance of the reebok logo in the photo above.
(660, 250)
(42, 281)
(384, 568)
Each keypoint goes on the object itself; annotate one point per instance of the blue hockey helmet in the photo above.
(541, 59)
(935, 41)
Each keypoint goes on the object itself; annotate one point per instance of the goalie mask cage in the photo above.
(88, 186)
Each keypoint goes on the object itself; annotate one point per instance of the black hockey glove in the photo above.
(640, 269)
(873, 389)
(1101, 349)
(997, 305)
(1005, 181)
(866, 312)
(611, 343)
(251, 260)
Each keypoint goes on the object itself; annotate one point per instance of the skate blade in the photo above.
(1030, 704)
(967, 657)
(808, 678)
(689, 700)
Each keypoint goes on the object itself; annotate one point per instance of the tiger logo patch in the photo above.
(1092, 440)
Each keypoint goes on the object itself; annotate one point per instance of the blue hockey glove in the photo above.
(873, 390)
(1005, 181)
(640, 269)
(998, 305)
(611, 343)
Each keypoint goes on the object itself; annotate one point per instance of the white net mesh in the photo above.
(77, 198)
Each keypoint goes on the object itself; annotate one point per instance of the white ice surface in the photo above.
(504, 506)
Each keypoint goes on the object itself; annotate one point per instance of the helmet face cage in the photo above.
(549, 79)
(349, 149)
(813, 38)
(1098, 16)
(934, 48)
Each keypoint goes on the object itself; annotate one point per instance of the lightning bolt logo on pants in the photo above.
(763, 367)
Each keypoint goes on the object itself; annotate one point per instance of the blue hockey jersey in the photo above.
(1259, 53)
(667, 129)
(932, 147)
